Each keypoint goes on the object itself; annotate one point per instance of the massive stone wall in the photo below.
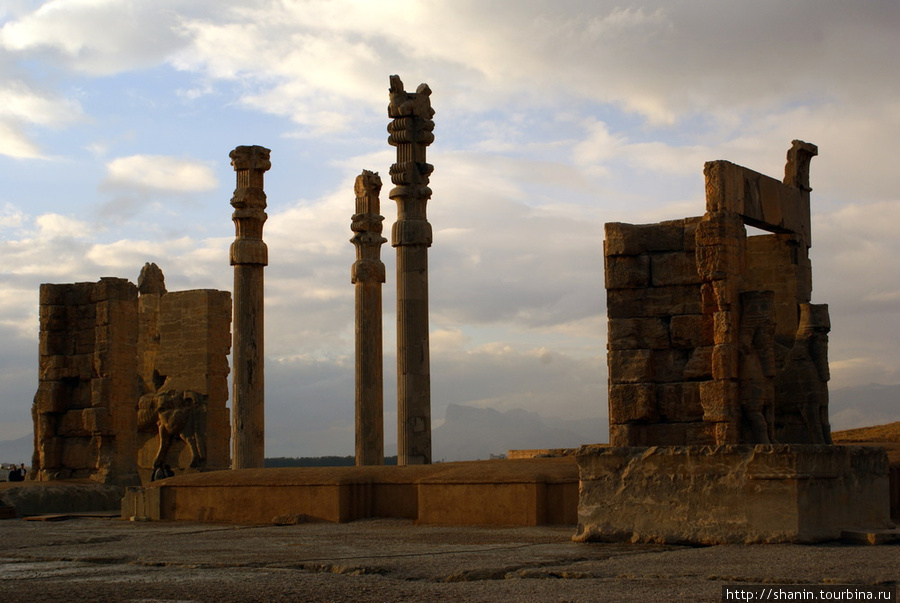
(104, 348)
(87, 382)
(660, 342)
(712, 339)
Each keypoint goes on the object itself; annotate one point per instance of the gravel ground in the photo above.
(389, 560)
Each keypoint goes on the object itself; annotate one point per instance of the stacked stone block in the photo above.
(102, 346)
(712, 339)
(87, 381)
(190, 347)
(660, 342)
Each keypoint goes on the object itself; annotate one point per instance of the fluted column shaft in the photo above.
(368, 274)
(411, 132)
(249, 256)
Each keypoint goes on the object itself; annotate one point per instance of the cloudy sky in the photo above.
(552, 118)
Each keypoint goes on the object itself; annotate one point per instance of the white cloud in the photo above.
(22, 107)
(11, 217)
(16, 143)
(49, 246)
(160, 173)
(52, 226)
(100, 37)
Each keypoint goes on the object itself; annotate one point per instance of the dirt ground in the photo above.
(93, 559)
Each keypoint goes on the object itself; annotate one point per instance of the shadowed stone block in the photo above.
(634, 239)
(730, 494)
(717, 398)
(632, 402)
(679, 402)
(725, 362)
(630, 366)
(699, 365)
(691, 331)
(652, 301)
(627, 271)
(668, 365)
(674, 268)
(638, 333)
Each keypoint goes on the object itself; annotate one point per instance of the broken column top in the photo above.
(367, 188)
(151, 280)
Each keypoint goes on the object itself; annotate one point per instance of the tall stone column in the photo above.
(249, 256)
(411, 132)
(368, 275)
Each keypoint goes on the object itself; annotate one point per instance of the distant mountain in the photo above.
(17, 451)
(470, 433)
(864, 405)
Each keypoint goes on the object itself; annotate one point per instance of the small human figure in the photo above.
(17, 474)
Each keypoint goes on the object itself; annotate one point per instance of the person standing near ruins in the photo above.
(17, 474)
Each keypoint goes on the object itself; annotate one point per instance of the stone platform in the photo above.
(731, 494)
(39, 498)
(542, 491)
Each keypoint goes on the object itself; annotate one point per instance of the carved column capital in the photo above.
(250, 158)
(249, 202)
(367, 224)
(411, 131)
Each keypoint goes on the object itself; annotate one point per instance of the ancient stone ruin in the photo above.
(411, 131)
(130, 378)
(367, 275)
(718, 371)
(712, 336)
(249, 256)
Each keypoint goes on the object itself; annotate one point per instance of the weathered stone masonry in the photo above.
(367, 275)
(712, 339)
(411, 131)
(103, 346)
(718, 371)
(249, 256)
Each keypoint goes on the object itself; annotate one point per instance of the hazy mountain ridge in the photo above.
(469, 433)
(17, 451)
(864, 406)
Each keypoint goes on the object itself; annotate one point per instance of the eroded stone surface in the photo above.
(696, 301)
(730, 494)
(411, 131)
(367, 275)
(102, 346)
